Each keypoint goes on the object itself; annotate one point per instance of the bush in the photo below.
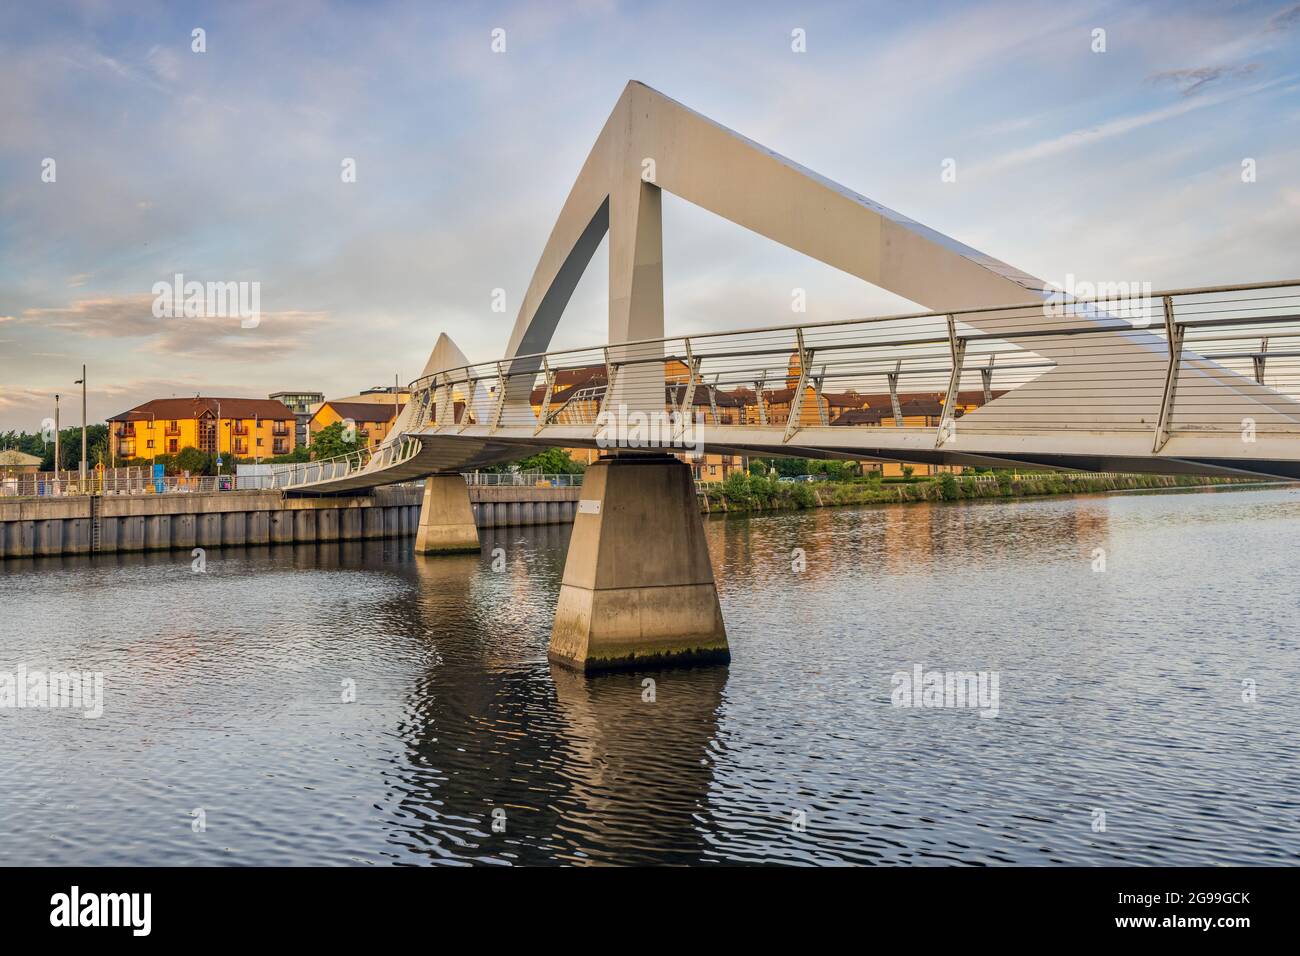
(948, 488)
(802, 495)
(736, 488)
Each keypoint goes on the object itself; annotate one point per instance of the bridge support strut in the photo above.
(446, 517)
(638, 587)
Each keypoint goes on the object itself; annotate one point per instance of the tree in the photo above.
(835, 470)
(330, 443)
(785, 467)
(190, 459)
(552, 461)
(299, 454)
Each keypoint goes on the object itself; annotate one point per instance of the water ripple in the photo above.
(1121, 692)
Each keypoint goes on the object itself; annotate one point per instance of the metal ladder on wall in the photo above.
(96, 529)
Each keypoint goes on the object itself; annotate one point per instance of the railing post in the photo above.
(1174, 334)
(549, 375)
(471, 386)
(688, 402)
(796, 400)
(823, 414)
(447, 404)
(1258, 361)
(429, 410)
(713, 398)
(893, 393)
(611, 370)
(986, 377)
(501, 399)
(948, 416)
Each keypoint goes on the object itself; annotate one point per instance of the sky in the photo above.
(227, 165)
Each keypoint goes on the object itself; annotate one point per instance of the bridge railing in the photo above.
(1127, 360)
(365, 460)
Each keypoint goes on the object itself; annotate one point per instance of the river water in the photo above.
(1144, 646)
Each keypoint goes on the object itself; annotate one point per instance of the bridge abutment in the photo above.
(446, 517)
(638, 586)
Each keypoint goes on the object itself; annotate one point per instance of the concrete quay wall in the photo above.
(38, 527)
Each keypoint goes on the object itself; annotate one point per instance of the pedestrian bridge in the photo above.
(1196, 381)
(999, 368)
(996, 368)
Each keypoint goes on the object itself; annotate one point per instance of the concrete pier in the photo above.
(446, 517)
(638, 588)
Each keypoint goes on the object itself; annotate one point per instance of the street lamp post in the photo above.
(56, 440)
(218, 444)
(82, 382)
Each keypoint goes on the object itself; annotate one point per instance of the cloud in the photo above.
(1075, 139)
(1192, 80)
(23, 408)
(131, 316)
(1284, 19)
(108, 317)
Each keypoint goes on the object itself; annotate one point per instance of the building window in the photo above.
(171, 446)
(149, 443)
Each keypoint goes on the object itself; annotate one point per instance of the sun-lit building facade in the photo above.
(373, 420)
(246, 428)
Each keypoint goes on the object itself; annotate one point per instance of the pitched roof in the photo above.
(175, 409)
(874, 415)
(363, 411)
(862, 416)
(677, 394)
(924, 406)
(15, 458)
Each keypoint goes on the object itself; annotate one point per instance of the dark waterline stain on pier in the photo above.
(1120, 691)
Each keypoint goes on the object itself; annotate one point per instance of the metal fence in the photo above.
(138, 481)
(70, 484)
(521, 479)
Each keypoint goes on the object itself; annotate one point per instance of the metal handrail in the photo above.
(417, 384)
(1188, 340)
(385, 455)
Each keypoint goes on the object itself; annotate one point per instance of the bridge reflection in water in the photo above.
(572, 763)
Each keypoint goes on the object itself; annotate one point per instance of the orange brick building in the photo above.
(234, 427)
